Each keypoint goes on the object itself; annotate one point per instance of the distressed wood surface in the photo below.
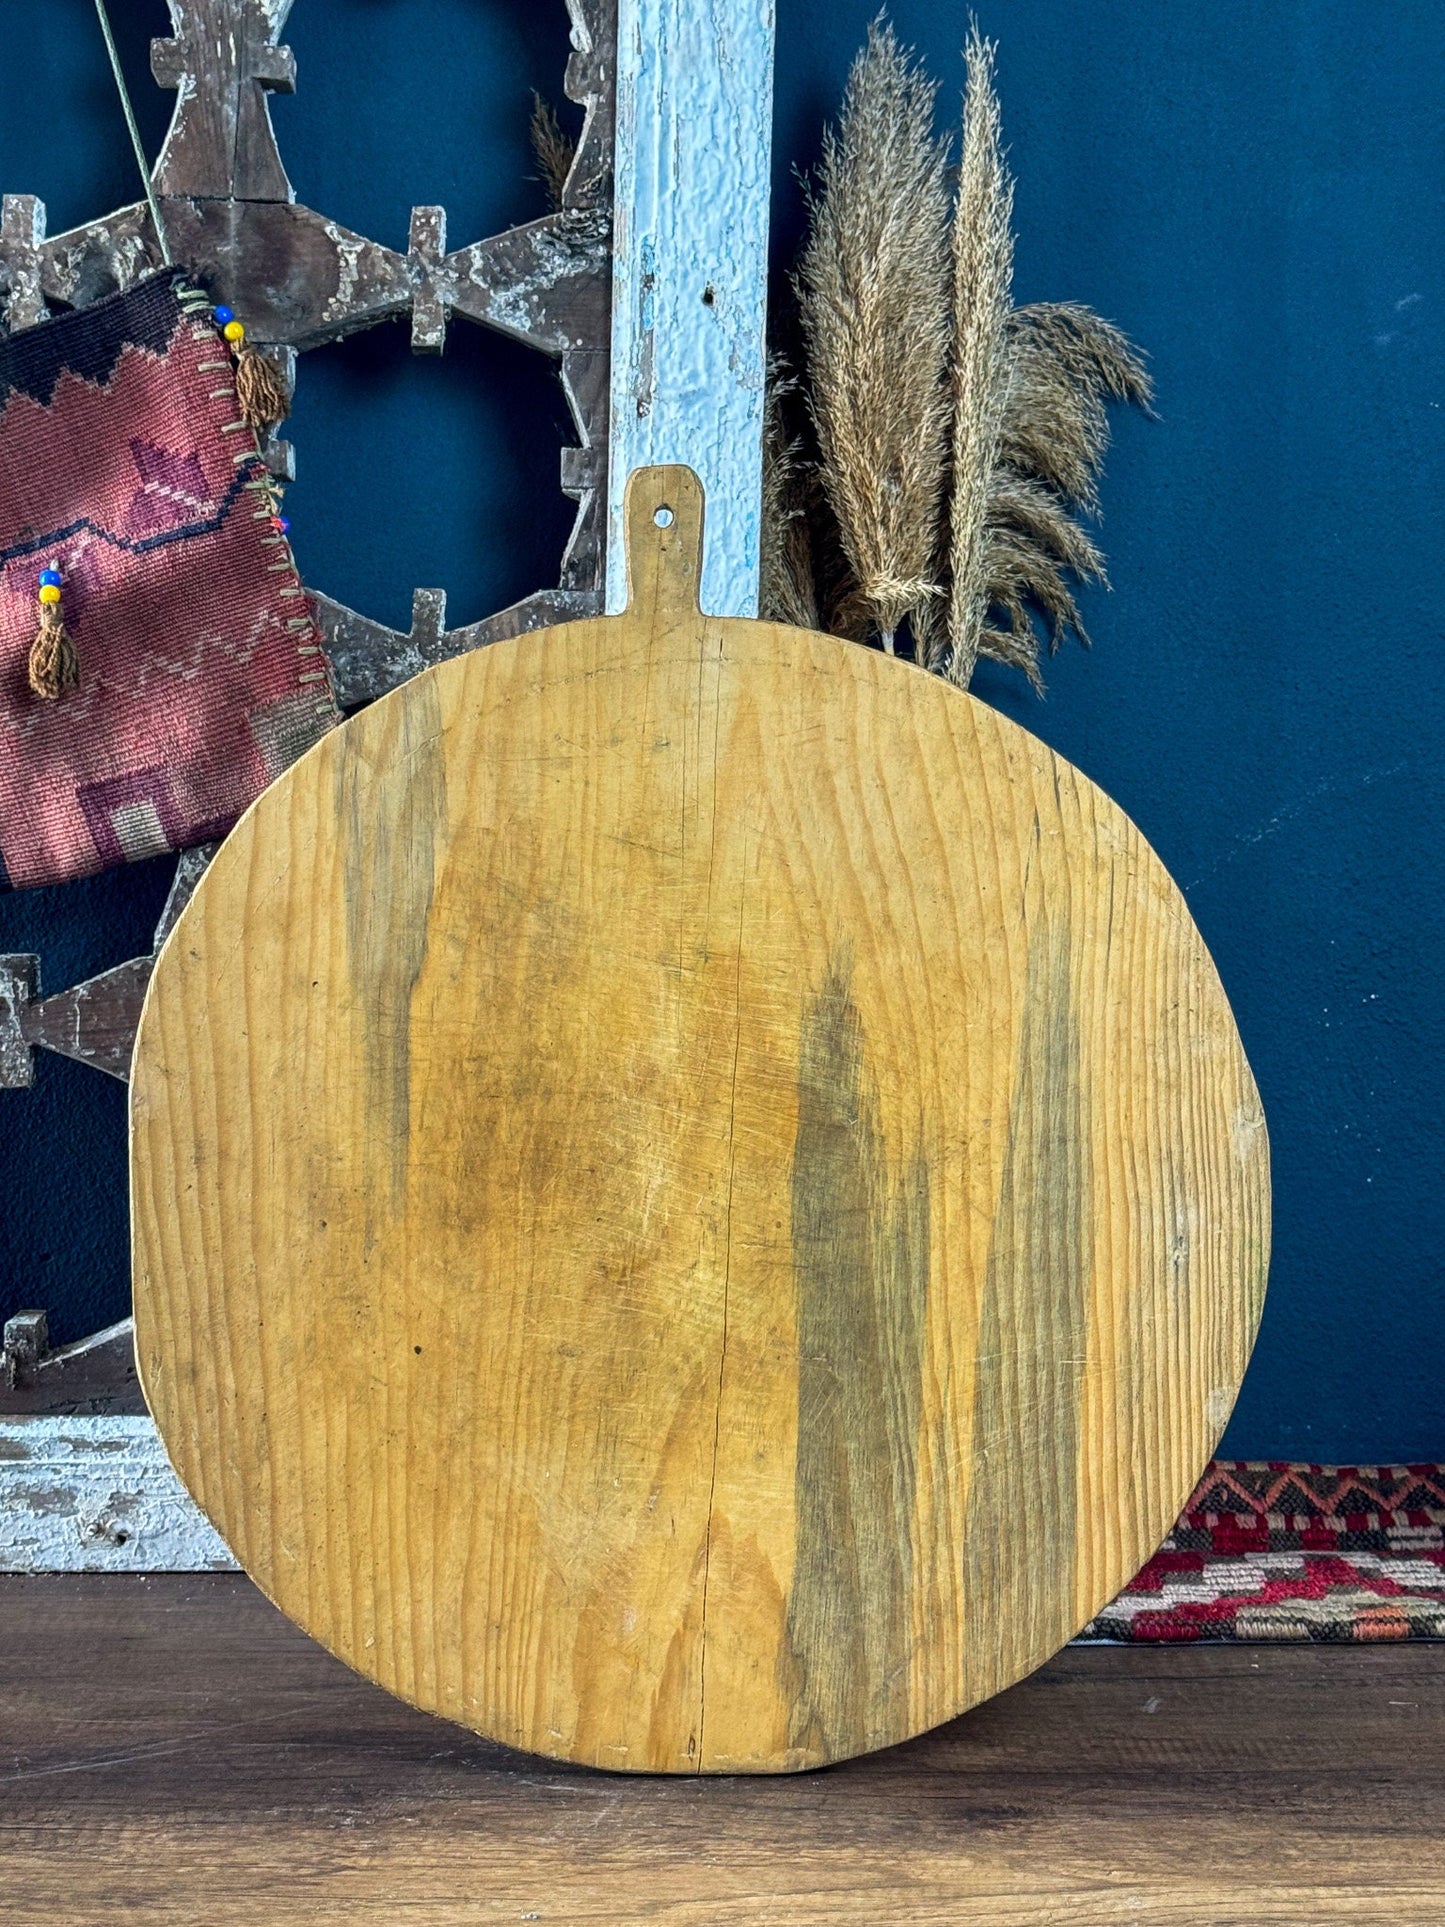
(697, 1201)
(96, 1494)
(367, 661)
(93, 1022)
(19, 984)
(85, 1484)
(24, 1341)
(221, 60)
(94, 1376)
(301, 279)
(689, 272)
(175, 1752)
(22, 230)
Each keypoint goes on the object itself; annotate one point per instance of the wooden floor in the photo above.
(172, 1750)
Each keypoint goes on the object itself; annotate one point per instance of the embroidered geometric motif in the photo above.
(173, 489)
(123, 465)
(1295, 1552)
(131, 816)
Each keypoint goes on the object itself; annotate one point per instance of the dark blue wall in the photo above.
(1254, 191)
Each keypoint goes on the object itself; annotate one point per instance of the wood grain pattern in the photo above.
(698, 1205)
(196, 1759)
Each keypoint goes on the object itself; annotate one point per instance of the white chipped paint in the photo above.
(520, 308)
(349, 248)
(689, 271)
(578, 31)
(97, 1495)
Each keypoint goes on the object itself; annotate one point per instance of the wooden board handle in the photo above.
(664, 520)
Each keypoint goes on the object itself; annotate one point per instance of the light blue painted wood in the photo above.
(689, 274)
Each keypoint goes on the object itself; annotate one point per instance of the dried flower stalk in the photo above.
(551, 148)
(873, 292)
(944, 490)
(787, 590)
(1030, 423)
(1068, 362)
(983, 364)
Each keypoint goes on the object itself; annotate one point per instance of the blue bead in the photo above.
(50, 578)
(283, 522)
(223, 315)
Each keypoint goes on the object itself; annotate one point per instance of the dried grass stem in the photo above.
(872, 287)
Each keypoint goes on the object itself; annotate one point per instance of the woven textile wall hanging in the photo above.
(135, 505)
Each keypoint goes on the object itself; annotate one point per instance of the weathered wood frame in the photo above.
(84, 1482)
(300, 279)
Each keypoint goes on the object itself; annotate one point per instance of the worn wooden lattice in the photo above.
(301, 279)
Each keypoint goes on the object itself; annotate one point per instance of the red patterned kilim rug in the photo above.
(125, 470)
(1274, 1552)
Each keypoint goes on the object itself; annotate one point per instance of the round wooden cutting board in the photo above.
(698, 1203)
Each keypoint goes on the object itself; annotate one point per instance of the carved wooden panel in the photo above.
(89, 1487)
(301, 279)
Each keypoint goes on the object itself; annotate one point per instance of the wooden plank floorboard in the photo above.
(173, 1751)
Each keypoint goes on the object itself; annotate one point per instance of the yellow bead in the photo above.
(234, 331)
(50, 593)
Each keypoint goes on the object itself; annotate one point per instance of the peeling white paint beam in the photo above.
(97, 1495)
(689, 271)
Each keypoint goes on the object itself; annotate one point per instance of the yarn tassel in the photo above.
(260, 392)
(54, 665)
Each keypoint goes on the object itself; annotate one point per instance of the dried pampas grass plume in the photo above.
(787, 589)
(1030, 387)
(958, 439)
(983, 364)
(551, 149)
(1068, 362)
(873, 293)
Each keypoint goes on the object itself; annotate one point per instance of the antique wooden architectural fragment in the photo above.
(93, 1022)
(301, 279)
(667, 348)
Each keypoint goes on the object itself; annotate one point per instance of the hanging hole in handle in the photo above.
(662, 516)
